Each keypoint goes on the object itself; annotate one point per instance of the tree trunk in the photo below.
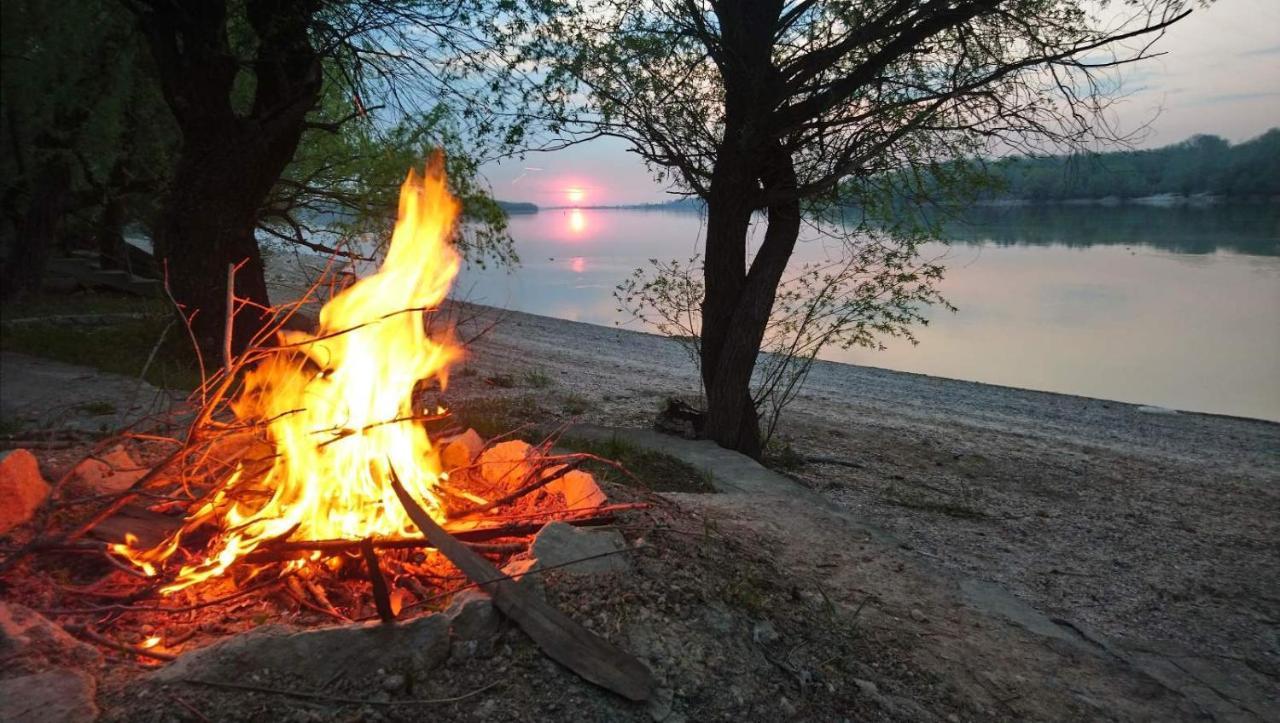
(229, 159)
(207, 224)
(736, 305)
(37, 230)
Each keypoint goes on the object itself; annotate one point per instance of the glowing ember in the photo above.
(338, 406)
(150, 642)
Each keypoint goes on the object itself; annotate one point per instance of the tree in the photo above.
(792, 108)
(245, 82)
(85, 131)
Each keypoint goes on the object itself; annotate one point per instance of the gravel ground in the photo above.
(1147, 526)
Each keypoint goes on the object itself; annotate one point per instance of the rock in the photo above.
(918, 615)
(473, 624)
(30, 643)
(393, 682)
(660, 704)
(519, 571)
(719, 619)
(320, 655)
(22, 488)
(460, 449)
(559, 544)
(764, 633)
(505, 465)
(579, 489)
(54, 696)
(113, 472)
(787, 707)
(866, 687)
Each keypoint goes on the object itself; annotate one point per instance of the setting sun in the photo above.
(574, 194)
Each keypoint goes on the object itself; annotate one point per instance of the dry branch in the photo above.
(565, 641)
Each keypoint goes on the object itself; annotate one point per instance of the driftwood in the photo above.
(563, 640)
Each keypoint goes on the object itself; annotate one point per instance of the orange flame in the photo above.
(338, 407)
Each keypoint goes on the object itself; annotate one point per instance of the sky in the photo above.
(1220, 74)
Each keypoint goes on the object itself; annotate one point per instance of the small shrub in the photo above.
(537, 379)
(575, 404)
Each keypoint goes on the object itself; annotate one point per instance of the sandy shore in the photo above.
(1144, 525)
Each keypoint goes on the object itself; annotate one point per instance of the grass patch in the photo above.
(491, 417)
(575, 404)
(654, 470)
(950, 509)
(97, 409)
(86, 303)
(780, 455)
(501, 381)
(536, 378)
(121, 347)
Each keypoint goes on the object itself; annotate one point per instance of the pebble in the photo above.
(764, 632)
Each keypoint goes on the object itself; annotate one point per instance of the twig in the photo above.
(132, 649)
(190, 708)
(333, 698)
(229, 319)
(381, 599)
(525, 489)
(302, 548)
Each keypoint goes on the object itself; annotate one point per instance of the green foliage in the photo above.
(649, 470)
(78, 87)
(1204, 164)
(536, 378)
(341, 190)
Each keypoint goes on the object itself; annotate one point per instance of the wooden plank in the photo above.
(563, 640)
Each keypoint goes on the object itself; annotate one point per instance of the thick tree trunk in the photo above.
(222, 178)
(230, 159)
(737, 304)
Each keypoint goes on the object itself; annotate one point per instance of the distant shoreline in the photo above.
(1161, 200)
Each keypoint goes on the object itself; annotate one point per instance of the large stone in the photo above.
(473, 624)
(505, 465)
(30, 643)
(22, 488)
(60, 695)
(458, 450)
(321, 655)
(113, 472)
(568, 547)
(579, 489)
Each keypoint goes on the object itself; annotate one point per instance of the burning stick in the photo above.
(381, 598)
(563, 640)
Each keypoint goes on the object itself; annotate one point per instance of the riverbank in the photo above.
(1145, 525)
(1151, 532)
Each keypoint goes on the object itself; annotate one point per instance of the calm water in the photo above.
(1171, 307)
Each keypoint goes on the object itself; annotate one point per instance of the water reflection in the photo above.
(1174, 307)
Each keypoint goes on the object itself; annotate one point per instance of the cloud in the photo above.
(1236, 97)
(1269, 50)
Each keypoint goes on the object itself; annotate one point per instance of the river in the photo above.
(1169, 307)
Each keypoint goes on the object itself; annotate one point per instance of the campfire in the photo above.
(323, 465)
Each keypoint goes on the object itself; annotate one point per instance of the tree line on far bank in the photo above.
(1202, 164)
